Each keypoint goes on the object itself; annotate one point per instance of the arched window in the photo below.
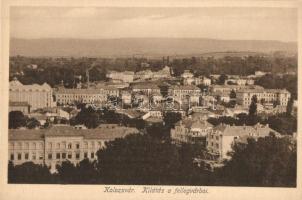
(34, 145)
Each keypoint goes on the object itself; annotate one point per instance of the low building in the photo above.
(197, 81)
(163, 73)
(221, 138)
(126, 76)
(52, 146)
(23, 107)
(143, 75)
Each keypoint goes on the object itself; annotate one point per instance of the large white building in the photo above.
(57, 144)
(37, 96)
(280, 96)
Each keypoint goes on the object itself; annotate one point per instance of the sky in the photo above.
(100, 22)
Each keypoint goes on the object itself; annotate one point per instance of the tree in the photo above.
(289, 106)
(84, 172)
(28, 172)
(253, 106)
(233, 94)
(32, 123)
(222, 78)
(67, 172)
(158, 131)
(16, 119)
(138, 159)
(269, 161)
(87, 116)
(170, 118)
(164, 90)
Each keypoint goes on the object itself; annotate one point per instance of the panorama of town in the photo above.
(206, 120)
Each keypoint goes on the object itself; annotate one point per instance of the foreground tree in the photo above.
(269, 162)
(84, 172)
(138, 159)
(28, 173)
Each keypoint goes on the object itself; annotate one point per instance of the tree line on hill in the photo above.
(54, 70)
(142, 159)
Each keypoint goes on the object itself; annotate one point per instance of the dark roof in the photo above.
(26, 134)
(68, 131)
(23, 103)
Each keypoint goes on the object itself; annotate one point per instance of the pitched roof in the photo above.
(68, 131)
(15, 84)
(184, 87)
(257, 130)
(23, 103)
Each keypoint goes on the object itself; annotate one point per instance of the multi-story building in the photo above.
(65, 96)
(228, 88)
(182, 92)
(190, 130)
(221, 138)
(57, 144)
(37, 96)
(280, 96)
(146, 88)
(90, 95)
(23, 107)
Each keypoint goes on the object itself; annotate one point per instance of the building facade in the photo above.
(190, 131)
(222, 137)
(37, 96)
(280, 96)
(57, 144)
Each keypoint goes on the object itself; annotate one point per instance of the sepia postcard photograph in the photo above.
(151, 99)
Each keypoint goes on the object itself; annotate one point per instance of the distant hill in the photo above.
(151, 47)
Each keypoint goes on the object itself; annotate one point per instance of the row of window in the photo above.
(26, 145)
(25, 156)
(216, 137)
(69, 155)
(40, 145)
(76, 146)
(50, 156)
